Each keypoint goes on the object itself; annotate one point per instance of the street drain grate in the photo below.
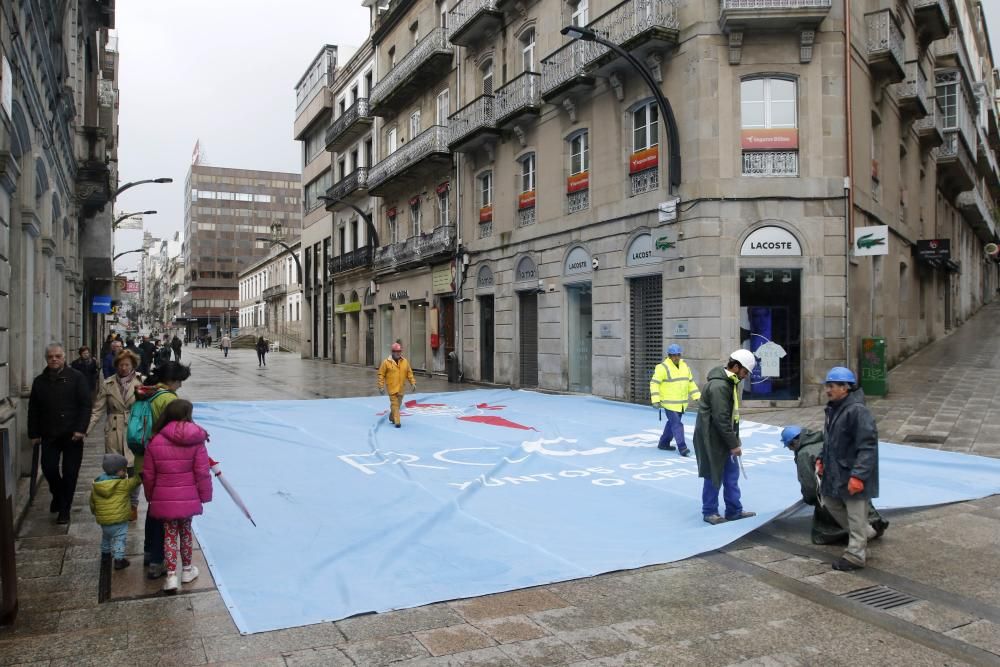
(880, 597)
(929, 439)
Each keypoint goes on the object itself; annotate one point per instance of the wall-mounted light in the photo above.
(751, 276)
(786, 276)
(768, 276)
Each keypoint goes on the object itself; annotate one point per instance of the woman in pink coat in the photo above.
(177, 481)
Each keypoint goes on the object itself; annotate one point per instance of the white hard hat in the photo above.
(746, 359)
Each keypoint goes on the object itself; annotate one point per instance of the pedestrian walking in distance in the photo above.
(176, 345)
(261, 352)
(848, 465)
(671, 388)
(225, 344)
(177, 482)
(108, 363)
(110, 503)
(58, 415)
(87, 365)
(717, 438)
(394, 371)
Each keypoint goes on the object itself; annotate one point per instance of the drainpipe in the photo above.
(848, 183)
(459, 266)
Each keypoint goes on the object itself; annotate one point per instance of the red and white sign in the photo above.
(486, 213)
(526, 199)
(647, 158)
(578, 182)
(132, 286)
(770, 140)
(443, 188)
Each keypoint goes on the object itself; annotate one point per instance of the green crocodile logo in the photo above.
(867, 241)
(663, 243)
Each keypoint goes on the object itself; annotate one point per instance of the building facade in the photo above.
(229, 216)
(271, 298)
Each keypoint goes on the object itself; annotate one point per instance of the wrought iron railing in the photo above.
(644, 181)
(915, 84)
(884, 35)
(577, 201)
(522, 92)
(728, 5)
(465, 10)
(415, 248)
(435, 40)
(771, 163)
(568, 62)
(358, 258)
(525, 216)
(432, 140)
(934, 118)
(274, 291)
(354, 181)
(350, 116)
(633, 17)
(485, 229)
(475, 115)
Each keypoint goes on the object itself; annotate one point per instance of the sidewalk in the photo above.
(769, 599)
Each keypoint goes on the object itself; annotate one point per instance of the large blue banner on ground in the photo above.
(480, 492)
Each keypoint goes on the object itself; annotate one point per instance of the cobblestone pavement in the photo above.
(768, 599)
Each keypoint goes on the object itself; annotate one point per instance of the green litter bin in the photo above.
(874, 377)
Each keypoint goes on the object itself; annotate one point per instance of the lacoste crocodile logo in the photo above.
(663, 243)
(866, 241)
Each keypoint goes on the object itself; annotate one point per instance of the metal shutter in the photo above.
(528, 348)
(645, 332)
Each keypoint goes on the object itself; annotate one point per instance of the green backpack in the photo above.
(140, 422)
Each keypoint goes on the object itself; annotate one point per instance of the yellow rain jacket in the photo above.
(391, 375)
(672, 387)
(109, 498)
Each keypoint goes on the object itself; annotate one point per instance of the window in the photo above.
(414, 33)
(528, 51)
(369, 154)
(415, 217)
(443, 107)
(442, 8)
(354, 160)
(354, 93)
(393, 229)
(486, 189)
(443, 206)
(645, 126)
(392, 57)
(528, 173)
(768, 104)
(579, 153)
(414, 124)
(578, 183)
(368, 84)
(390, 141)
(341, 169)
(487, 72)
(579, 14)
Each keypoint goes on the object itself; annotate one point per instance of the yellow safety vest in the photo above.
(672, 387)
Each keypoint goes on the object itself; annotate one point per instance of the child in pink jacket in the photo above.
(177, 481)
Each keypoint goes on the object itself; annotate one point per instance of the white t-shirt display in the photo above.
(770, 355)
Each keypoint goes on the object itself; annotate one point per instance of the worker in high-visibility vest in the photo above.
(671, 388)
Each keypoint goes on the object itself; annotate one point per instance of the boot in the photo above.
(122, 563)
(189, 574)
(170, 585)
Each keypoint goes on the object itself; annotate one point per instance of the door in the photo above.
(327, 325)
(770, 327)
(580, 337)
(353, 338)
(418, 335)
(645, 334)
(342, 334)
(369, 338)
(486, 338)
(448, 325)
(387, 339)
(528, 341)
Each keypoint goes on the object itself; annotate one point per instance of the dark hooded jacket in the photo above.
(850, 447)
(810, 449)
(715, 432)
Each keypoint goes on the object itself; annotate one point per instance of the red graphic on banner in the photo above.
(645, 159)
(413, 408)
(413, 404)
(486, 213)
(526, 199)
(578, 182)
(493, 420)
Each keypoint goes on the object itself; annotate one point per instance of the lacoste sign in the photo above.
(771, 241)
(873, 240)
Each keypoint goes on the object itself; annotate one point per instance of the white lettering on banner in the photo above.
(539, 447)
(440, 456)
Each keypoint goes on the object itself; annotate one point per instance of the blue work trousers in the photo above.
(673, 430)
(113, 539)
(730, 491)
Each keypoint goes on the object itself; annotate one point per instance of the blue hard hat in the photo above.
(674, 349)
(789, 433)
(841, 374)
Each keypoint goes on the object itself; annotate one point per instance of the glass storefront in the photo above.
(418, 335)
(580, 332)
(771, 328)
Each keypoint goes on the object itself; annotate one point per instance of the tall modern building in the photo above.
(227, 215)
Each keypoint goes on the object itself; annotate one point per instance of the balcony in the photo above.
(956, 170)
(347, 188)
(473, 126)
(564, 71)
(985, 158)
(518, 100)
(932, 18)
(430, 147)
(772, 14)
(423, 66)
(972, 207)
(930, 128)
(350, 126)
(275, 292)
(950, 52)
(359, 258)
(912, 93)
(471, 21)
(638, 26)
(885, 46)
(415, 250)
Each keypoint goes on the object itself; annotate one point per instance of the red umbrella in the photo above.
(230, 490)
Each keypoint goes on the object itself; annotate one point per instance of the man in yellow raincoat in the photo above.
(391, 375)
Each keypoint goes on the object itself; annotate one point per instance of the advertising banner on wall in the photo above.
(873, 240)
(647, 158)
(785, 139)
(578, 182)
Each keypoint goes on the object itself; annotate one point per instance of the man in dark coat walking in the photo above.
(176, 345)
(848, 465)
(58, 416)
(146, 351)
(717, 438)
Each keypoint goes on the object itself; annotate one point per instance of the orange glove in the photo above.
(819, 467)
(855, 485)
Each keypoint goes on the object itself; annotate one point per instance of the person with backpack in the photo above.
(115, 398)
(159, 390)
(177, 482)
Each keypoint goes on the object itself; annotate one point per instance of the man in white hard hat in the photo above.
(717, 438)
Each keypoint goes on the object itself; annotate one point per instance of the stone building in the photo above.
(270, 302)
(58, 177)
(228, 216)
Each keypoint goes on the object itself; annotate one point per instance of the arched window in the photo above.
(768, 119)
(487, 75)
(526, 187)
(578, 181)
(528, 50)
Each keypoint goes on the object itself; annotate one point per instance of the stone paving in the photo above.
(768, 599)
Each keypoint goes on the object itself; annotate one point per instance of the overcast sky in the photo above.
(222, 71)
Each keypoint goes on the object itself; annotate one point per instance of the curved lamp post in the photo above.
(276, 239)
(122, 254)
(372, 233)
(666, 112)
(114, 225)
(135, 183)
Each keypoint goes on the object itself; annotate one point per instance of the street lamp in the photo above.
(275, 238)
(114, 224)
(122, 254)
(666, 112)
(372, 233)
(135, 183)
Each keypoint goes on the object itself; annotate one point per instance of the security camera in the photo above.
(596, 263)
